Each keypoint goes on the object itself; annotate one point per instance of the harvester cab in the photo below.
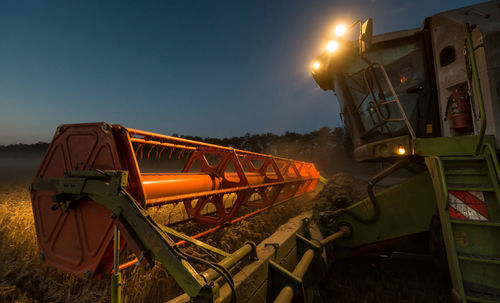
(409, 85)
(428, 97)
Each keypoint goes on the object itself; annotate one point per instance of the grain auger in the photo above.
(91, 191)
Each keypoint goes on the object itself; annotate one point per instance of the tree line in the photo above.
(329, 149)
(24, 150)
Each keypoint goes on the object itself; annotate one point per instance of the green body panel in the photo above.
(382, 149)
(442, 146)
(405, 208)
(448, 146)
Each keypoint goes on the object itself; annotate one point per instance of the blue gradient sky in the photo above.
(204, 68)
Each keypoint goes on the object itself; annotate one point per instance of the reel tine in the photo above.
(161, 152)
(136, 151)
(139, 151)
(151, 149)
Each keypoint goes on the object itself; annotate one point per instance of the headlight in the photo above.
(340, 30)
(401, 150)
(316, 65)
(332, 46)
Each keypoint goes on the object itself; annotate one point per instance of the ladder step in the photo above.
(480, 300)
(479, 258)
(465, 158)
(481, 293)
(477, 223)
(466, 172)
(470, 187)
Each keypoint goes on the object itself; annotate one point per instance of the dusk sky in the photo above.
(201, 68)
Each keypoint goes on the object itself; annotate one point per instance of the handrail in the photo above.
(396, 100)
(369, 69)
(442, 181)
(477, 86)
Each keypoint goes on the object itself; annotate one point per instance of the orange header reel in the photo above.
(79, 241)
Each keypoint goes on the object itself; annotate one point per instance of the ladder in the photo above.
(468, 195)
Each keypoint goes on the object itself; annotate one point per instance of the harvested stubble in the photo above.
(344, 185)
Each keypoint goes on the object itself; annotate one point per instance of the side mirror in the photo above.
(365, 36)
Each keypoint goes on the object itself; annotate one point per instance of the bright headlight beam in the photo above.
(340, 30)
(316, 65)
(332, 46)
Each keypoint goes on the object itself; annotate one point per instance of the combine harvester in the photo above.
(425, 99)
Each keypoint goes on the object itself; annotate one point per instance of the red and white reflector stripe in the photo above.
(465, 205)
